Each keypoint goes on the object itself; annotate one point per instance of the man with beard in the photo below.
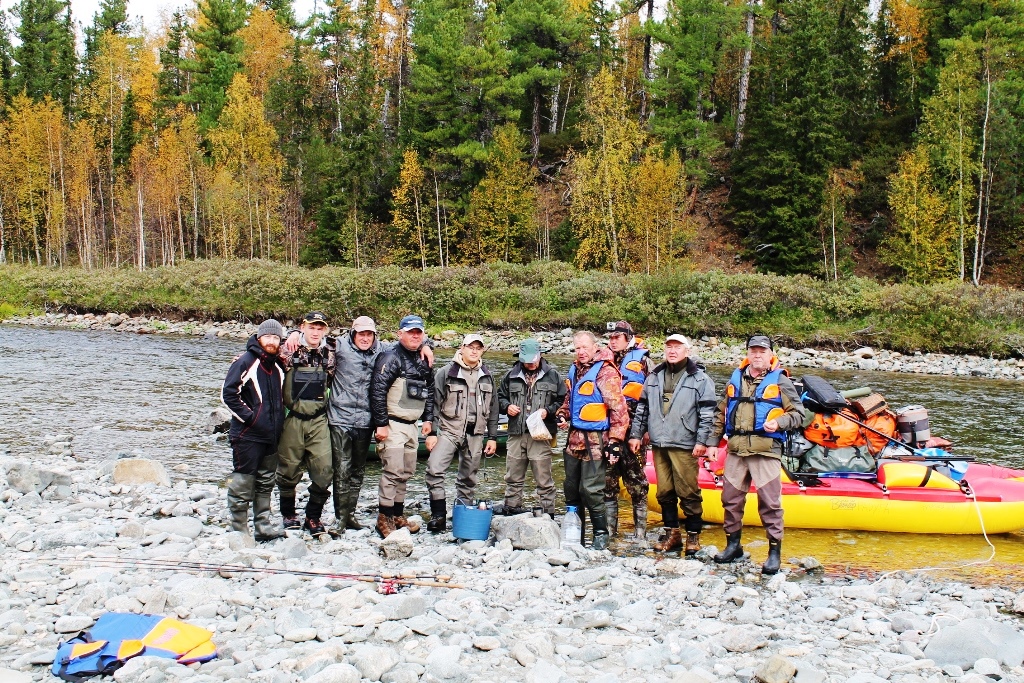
(253, 393)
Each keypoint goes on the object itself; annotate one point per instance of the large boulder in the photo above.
(135, 471)
(397, 545)
(24, 478)
(527, 532)
(218, 421)
(965, 643)
(187, 527)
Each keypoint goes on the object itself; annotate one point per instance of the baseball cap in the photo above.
(760, 340)
(412, 322)
(364, 323)
(270, 327)
(678, 338)
(470, 338)
(529, 351)
(315, 317)
(622, 327)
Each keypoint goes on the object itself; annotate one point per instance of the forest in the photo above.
(421, 133)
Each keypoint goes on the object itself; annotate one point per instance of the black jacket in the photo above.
(548, 392)
(394, 363)
(253, 393)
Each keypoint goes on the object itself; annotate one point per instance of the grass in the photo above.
(797, 311)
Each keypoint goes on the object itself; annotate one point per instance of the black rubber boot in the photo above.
(611, 511)
(774, 561)
(317, 500)
(600, 524)
(288, 515)
(438, 516)
(733, 550)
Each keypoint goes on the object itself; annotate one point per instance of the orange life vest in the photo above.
(835, 431)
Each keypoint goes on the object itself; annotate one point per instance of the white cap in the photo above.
(678, 338)
(470, 338)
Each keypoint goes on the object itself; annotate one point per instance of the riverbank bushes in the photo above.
(797, 311)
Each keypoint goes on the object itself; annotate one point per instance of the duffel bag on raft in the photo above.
(885, 423)
(849, 459)
(835, 431)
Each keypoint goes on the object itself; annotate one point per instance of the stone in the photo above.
(805, 673)
(218, 420)
(987, 667)
(337, 673)
(139, 668)
(186, 527)
(25, 478)
(742, 639)
(903, 621)
(776, 670)
(973, 639)
(373, 662)
(292, 548)
(73, 624)
(132, 529)
(402, 606)
(522, 654)
(291, 620)
(486, 643)
(12, 676)
(527, 532)
(560, 558)
(136, 471)
(443, 664)
(403, 673)
(749, 613)
(546, 672)
(1018, 603)
(655, 656)
(300, 635)
(587, 619)
(397, 545)
(867, 364)
(641, 610)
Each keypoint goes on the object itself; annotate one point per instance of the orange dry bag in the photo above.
(835, 431)
(884, 422)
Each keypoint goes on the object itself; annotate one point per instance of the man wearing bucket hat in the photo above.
(634, 363)
(532, 385)
(306, 439)
(677, 411)
(401, 392)
(466, 408)
(252, 392)
(759, 407)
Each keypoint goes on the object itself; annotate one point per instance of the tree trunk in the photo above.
(555, 93)
(534, 129)
(741, 109)
(978, 241)
(142, 229)
(644, 94)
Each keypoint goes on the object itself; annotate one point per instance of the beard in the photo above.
(271, 349)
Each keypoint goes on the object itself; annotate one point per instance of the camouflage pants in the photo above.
(630, 469)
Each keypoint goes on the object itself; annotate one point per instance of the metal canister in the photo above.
(912, 422)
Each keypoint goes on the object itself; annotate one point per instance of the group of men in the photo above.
(306, 401)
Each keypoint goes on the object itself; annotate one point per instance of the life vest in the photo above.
(117, 637)
(767, 400)
(835, 431)
(632, 369)
(308, 382)
(586, 405)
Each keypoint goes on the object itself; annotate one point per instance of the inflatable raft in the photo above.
(907, 497)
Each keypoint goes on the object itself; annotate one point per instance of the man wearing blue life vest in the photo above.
(634, 363)
(598, 421)
(759, 407)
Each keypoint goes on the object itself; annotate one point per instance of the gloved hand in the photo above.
(613, 451)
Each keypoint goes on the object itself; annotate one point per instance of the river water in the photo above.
(148, 396)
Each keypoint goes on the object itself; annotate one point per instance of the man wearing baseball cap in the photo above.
(401, 392)
(676, 411)
(759, 407)
(306, 438)
(252, 392)
(466, 408)
(634, 363)
(532, 385)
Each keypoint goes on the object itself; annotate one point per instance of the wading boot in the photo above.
(692, 546)
(400, 520)
(263, 519)
(385, 522)
(733, 550)
(774, 561)
(346, 512)
(600, 524)
(640, 520)
(669, 541)
(289, 517)
(241, 488)
(611, 511)
(438, 516)
(315, 528)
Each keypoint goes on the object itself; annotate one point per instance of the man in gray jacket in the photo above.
(466, 411)
(677, 410)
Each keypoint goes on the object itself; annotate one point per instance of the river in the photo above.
(148, 396)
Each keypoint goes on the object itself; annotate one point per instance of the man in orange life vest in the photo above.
(598, 422)
(760, 405)
(634, 363)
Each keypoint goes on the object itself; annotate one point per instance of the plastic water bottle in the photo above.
(572, 527)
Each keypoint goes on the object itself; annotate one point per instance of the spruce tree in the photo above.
(6, 64)
(217, 50)
(113, 17)
(172, 80)
(45, 60)
(808, 97)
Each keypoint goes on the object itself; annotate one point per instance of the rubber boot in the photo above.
(733, 550)
(640, 520)
(774, 561)
(600, 524)
(241, 489)
(290, 519)
(438, 516)
(611, 511)
(314, 509)
(263, 519)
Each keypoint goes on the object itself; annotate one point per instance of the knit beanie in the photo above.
(270, 327)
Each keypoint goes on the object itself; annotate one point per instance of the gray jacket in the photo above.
(349, 406)
(691, 413)
(548, 392)
(452, 407)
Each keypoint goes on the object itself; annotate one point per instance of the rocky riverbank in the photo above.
(526, 610)
(710, 349)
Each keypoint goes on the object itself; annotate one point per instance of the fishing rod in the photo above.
(426, 580)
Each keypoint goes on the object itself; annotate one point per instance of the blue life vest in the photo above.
(117, 637)
(632, 369)
(586, 405)
(767, 400)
